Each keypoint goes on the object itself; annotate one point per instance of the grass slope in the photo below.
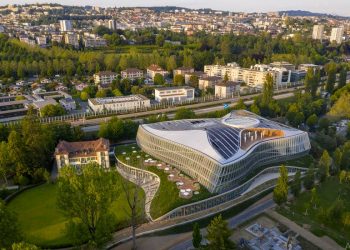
(43, 223)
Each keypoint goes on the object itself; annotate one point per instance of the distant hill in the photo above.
(306, 13)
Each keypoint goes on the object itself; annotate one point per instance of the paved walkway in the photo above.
(325, 244)
(184, 240)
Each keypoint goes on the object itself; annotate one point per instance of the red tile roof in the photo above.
(83, 148)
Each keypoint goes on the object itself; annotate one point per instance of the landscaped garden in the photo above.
(324, 212)
(167, 197)
(43, 224)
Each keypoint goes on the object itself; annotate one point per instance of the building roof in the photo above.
(106, 73)
(228, 84)
(132, 70)
(117, 99)
(174, 88)
(155, 67)
(224, 140)
(211, 78)
(83, 148)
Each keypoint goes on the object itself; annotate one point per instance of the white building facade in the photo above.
(119, 103)
(174, 94)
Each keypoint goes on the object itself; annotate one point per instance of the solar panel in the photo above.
(225, 140)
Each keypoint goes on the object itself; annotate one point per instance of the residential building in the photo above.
(132, 74)
(317, 32)
(198, 74)
(41, 40)
(155, 69)
(105, 78)
(222, 153)
(208, 82)
(66, 25)
(182, 71)
(94, 42)
(119, 103)
(72, 39)
(226, 89)
(112, 24)
(68, 104)
(337, 35)
(78, 154)
(174, 94)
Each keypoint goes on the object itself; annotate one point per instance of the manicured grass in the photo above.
(43, 223)
(328, 192)
(167, 197)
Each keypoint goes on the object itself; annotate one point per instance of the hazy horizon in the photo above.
(339, 7)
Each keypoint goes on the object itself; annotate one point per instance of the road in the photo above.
(183, 241)
(232, 222)
(94, 128)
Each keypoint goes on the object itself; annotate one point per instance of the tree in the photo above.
(101, 93)
(240, 105)
(52, 110)
(24, 246)
(267, 91)
(84, 96)
(346, 219)
(255, 109)
(226, 78)
(341, 108)
(312, 80)
(179, 80)
(196, 236)
(135, 203)
(193, 82)
(160, 40)
(280, 192)
(296, 184)
(331, 70)
(184, 113)
(314, 198)
(218, 234)
(342, 176)
(6, 165)
(311, 121)
(117, 92)
(85, 197)
(342, 77)
(9, 228)
(324, 165)
(324, 124)
(309, 180)
(158, 79)
(171, 63)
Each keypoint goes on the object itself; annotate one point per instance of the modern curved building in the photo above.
(222, 153)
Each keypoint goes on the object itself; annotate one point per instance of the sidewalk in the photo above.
(326, 244)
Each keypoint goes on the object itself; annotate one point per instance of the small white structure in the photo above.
(119, 103)
(68, 104)
(174, 94)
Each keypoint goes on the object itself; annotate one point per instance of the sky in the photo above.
(340, 7)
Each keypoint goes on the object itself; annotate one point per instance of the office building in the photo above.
(78, 154)
(66, 25)
(119, 103)
(222, 153)
(317, 32)
(174, 94)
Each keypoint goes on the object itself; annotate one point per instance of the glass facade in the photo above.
(217, 177)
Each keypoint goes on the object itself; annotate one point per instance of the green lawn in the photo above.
(328, 192)
(167, 197)
(42, 222)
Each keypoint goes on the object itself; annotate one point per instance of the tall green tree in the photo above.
(280, 192)
(219, 234)
(184, 113)
(267, 92)
(179, 80)
(309, 180)
(158, 79)
(324, 165)
(9, 229)
(196, 236)
(85, 197)
(296, 184)
(342, 77)
(331, 70)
